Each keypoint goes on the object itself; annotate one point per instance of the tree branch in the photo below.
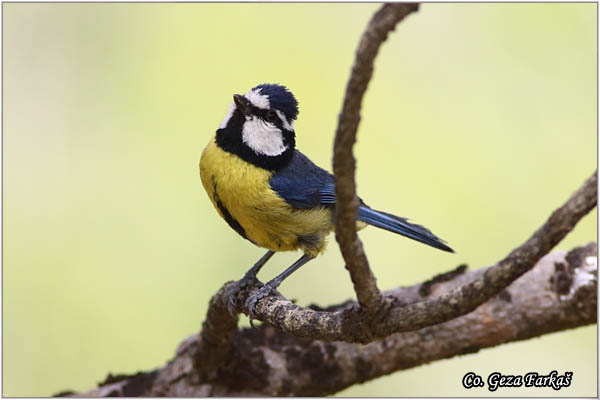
(350, 324)
(558, 293)
(454, 313)
(344, 165)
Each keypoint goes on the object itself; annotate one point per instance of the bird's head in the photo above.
(259, 126)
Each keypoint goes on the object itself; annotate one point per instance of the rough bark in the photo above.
(558, 293)
(313, 351)
(344, 164)
(353, 324)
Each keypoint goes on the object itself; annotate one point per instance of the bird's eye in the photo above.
(271, 116)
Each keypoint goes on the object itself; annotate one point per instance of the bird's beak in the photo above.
(242, 103)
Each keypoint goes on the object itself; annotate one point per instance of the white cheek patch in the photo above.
(286, 124)
(227, 116)
(262, 137)
(258, 99)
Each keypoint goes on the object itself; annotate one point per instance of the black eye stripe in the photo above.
(269, 116)
(263, 114)
(266, 114)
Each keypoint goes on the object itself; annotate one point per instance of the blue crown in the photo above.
(280, 98)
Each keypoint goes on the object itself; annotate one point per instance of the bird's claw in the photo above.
(255, 297)
(235, 288)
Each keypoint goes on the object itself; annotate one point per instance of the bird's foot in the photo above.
(261, 293)
(234, 290)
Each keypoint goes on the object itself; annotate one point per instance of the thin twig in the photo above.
(344, 165)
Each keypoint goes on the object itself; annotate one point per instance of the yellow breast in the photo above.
(242, 195)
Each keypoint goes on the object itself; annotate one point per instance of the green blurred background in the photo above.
(480, 120)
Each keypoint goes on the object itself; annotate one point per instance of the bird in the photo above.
(273, 195)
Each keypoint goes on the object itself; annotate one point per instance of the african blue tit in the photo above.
(273, 195)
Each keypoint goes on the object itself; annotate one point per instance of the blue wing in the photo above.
(304, 185)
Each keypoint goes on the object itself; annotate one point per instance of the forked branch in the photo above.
(558, 293)
(315, 352)
(351, 324)
(344, 165)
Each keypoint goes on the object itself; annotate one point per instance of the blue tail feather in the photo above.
(401, 225)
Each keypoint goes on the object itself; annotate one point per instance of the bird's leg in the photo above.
(248, 277)
(273, 284)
